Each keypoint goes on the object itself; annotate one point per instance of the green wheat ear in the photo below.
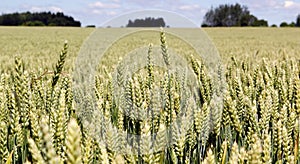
(60, 64)
(3, 138)
(164, 47)
(150, 66)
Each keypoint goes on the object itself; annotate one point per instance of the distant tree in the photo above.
(147, 22)
(293, 24)
(247, 20)
(130, 24)
(260, 23)
(33, 23)
(90, 26)
(284, 24)
(231, 15)
(38, 19)
(204, 25)
(273, 25)
(298, 21)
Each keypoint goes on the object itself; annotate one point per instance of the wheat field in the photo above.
(249, 113)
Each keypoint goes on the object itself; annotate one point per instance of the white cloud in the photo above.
(272, 4)
(291, 4)
(102, 12)
(43, 8)
(275, 11)
(288, 4)
(103, 9)
(189, 7)
(104, 5)
(55, 9)
(262, 4)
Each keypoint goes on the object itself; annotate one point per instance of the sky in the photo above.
(99, 12)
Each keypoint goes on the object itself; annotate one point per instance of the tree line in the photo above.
(38, 19)
(230, 15)
(292, 24)
(147, 22)
(225, 15)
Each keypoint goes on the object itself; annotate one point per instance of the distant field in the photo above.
(39, 47)
(244, 43)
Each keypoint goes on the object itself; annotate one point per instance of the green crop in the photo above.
(155, 118)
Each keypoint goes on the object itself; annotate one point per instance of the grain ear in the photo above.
(73, 143)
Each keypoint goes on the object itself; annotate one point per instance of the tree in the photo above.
(298, 21)
(90, 26)
(293, 24)
(147, 22)
(130, 23)
(231, 15)
(33, 23)
(284, 24)
(260, 23)
(38, 19)
(274, 25)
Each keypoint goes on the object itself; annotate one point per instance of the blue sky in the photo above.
(97, 12)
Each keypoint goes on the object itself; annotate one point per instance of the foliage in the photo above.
(231, 15)
(260, 23)
(273, 25)
(284, 24)
(33, 23)
(90, 26)
(147, 22)
(38, 19)
(293, 24)
(298, 21)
